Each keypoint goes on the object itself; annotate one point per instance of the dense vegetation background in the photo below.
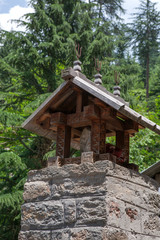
(30, 66)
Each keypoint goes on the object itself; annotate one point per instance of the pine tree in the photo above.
(145, 33)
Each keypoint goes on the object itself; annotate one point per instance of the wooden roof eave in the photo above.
(91, 88)
(152, 170)
(97, 91)
(31, 120)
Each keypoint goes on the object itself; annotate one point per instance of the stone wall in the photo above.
(99, 201)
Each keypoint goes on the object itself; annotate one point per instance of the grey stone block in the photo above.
(69, 211)
(91, 211)
(79, 186)
(86, 234)
(38, 190)
(45, 215)
(35, 235)
(99, 201)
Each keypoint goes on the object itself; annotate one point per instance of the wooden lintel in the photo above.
(130, 126)
(91, 112)
(68, 74)
(141, 127)
(98, 102)
(108, 113)
(120, 115)
(58, 118)
(114, 124)
(110, 134)
(77, 120)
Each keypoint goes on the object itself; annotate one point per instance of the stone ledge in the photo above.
(91, 169)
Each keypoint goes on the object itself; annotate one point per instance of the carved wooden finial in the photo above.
(77, 63)
(78, 50)
(98, 65)
(116, 77)
(117, 88)
(98, 76)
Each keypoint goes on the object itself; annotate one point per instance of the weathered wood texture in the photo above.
(63, 141)
(79, 102)
(68, 74)
(98, 136)
(122, 142)
(65, 97)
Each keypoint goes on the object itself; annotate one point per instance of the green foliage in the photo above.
(145, 32)
(12, 178)
(145, 149)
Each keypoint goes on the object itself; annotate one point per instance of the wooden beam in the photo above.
(60, 98)
(91, 112)
(76, 120)
(120, 115)
(131, 126)
(110, 133)
(99, 103)
(58, 118)
(114, 124)
(75, 132)
(43, 117)
(45, 124)
(108, 113)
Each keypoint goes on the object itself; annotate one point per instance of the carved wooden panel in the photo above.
(98, 136)
(102, 137)
(63, 141)
(60, 141)
(126, 147)
(122, 142)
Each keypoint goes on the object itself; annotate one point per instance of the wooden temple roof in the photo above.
(77, 80)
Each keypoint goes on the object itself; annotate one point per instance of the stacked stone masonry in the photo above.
(91, 201)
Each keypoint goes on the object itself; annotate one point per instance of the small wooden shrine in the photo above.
(81, 114)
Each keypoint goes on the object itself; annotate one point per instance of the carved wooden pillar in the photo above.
(63, 141)
(98, 136)
(122, 142)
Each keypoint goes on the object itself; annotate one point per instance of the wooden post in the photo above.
(98, 136)
(63, 141)
(122, 142)
(79, 102)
